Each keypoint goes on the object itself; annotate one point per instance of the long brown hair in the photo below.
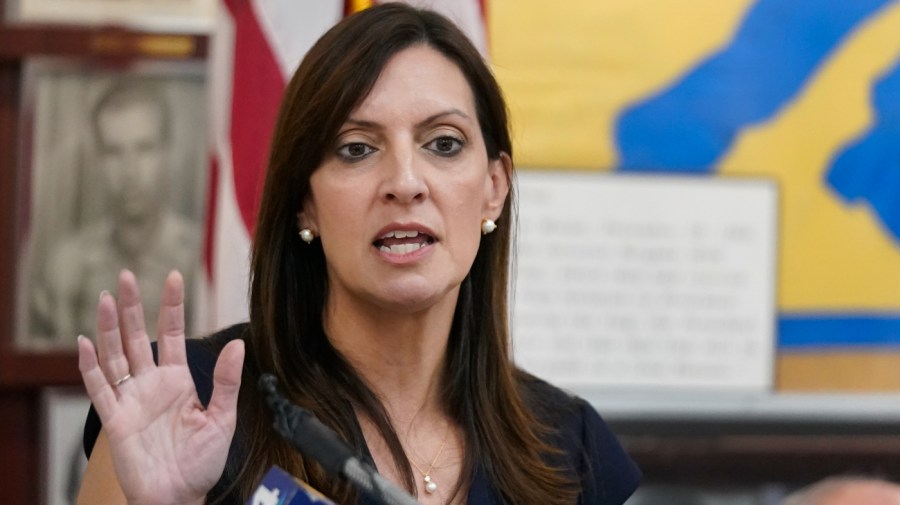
(289, 286)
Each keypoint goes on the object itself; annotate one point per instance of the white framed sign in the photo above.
(64, 411)
(646, 282)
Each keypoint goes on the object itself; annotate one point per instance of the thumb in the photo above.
(227, 384)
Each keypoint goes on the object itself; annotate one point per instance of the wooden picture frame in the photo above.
(186, 16)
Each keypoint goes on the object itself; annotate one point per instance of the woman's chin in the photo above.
(412, 299)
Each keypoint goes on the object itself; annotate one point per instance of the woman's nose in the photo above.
(405, 181)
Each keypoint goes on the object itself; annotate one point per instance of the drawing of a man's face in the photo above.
(132, 147)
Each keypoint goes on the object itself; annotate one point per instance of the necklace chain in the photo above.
(430, 485)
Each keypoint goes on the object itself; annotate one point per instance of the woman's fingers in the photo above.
(109, 341)
(123, 347)
(170, 327)
(227, 383)
(131, 323)
(96, 384)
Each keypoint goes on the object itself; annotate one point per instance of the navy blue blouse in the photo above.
(586, 442)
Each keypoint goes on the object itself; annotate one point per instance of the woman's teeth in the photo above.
(401, 248)
(400, 234)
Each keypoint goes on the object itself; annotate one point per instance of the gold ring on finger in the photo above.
(121, 381)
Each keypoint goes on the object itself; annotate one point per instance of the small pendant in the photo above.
(430, 487)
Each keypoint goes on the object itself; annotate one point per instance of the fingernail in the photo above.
(102, 293)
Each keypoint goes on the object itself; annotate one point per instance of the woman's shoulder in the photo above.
(202, 354)
(552, 405)
(201, 349)
(584, 440)
(532, 384)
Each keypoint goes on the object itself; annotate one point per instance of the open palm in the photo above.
(165, 447)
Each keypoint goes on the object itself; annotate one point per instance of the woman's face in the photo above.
(399, 199)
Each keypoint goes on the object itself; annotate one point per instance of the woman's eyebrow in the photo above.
(449, 112)
(374, 125)
(361, 123)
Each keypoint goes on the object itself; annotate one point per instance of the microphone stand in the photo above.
(315, 440)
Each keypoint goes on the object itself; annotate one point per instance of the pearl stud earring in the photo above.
(487, 226)
(307, 235)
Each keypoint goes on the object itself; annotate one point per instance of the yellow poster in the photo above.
(803, 92)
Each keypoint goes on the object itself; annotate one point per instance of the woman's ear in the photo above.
(500, 175)
(306, 217)
(300, 220)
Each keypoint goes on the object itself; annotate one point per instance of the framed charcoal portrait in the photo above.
(114, 172)
(194, 16)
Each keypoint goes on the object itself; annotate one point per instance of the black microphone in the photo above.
(317, 441)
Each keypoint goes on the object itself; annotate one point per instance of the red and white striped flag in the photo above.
(255, 49)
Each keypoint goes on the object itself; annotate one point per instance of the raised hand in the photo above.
(165, 447)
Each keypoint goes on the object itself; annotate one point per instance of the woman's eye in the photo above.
(445, 146)
(355, 151)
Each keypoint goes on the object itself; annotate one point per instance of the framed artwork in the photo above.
(154, 15)
(64, 412)
(114, 176)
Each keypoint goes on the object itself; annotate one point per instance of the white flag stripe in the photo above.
(221, 56)
(292, 27)
(232, 258)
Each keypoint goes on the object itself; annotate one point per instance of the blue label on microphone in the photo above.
(280, 488)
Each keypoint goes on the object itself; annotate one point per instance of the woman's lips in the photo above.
(402, 242)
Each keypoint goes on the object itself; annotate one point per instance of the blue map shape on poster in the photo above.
(868, 170)
(775, 51)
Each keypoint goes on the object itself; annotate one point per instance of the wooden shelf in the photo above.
(106, 43)
(688, 452)
(19, 370)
